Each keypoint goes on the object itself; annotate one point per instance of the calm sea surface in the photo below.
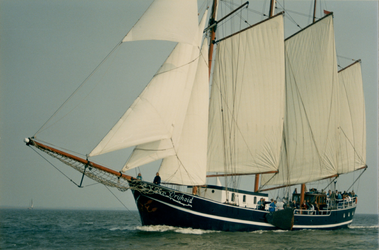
(81, 229)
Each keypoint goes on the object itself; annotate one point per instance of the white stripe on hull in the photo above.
(215, 217)
(323, 226)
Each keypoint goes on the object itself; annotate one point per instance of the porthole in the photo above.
(213, 191)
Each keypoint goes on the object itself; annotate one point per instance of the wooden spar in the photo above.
(256, 184)
(212, 25)
(273, 188)
(78, 159)
(222, 175)
(314, 11)
(303, 185)
(357, 61)
(272, 8)
(302, 193)
(243, 5)
(213, 36)
(251, 26)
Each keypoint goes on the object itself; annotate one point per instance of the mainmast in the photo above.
(303, 185)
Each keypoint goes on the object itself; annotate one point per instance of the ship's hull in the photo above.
(158, 205)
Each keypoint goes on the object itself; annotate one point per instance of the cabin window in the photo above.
(213, 191)
(255, 199)
(233, 196)
(244, 198)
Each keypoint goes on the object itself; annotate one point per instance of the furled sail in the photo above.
(353, 121)
(167, 20)
(154, 150)
(188, 165)
(247, 100)
(310, 148)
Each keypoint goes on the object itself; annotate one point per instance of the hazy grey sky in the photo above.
(48, 48)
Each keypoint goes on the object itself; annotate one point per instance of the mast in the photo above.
(272, 8)
(212, 21)
(303, 185)
(314, 11)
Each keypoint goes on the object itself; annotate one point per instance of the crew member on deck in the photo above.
(139, 177)
(157, 179)
(272, 207)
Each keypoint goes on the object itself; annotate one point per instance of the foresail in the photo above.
(353, 121)
(310, 148)
(167, 20)
(154, 150)
(151, 116)
(247, 101)
(188, 165)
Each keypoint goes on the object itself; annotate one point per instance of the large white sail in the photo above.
(167, 20)
(154, 150)
(353, 121)
(151, 116)
(247, 101)
(188, 165)
(312, 110)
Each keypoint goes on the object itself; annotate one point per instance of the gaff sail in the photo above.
(247, 100)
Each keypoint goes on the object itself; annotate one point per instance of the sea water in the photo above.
(93, 229)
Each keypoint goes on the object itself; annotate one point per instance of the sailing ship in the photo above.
(277, 109)
(31, 204)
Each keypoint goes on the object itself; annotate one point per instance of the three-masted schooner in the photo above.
(278, 109)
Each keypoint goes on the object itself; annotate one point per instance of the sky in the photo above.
(48, 48)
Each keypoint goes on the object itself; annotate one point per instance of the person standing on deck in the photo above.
(157, 179)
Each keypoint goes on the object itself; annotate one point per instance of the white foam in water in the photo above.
(162, 228)
(126, 228)
(354, 227)
(269, 231)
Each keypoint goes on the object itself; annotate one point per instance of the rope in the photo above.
(80, 86)
(54, 166)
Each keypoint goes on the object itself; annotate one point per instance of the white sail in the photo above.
(312, 110)
(247, 101)
(167, 20)
(353, 120)
(188, 165)
(151, 116)
(151, 151)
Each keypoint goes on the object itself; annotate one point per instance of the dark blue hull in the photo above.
(159, 205)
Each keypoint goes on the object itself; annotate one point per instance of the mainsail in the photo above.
(310, 144)
(247, 100)
(353, 120)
